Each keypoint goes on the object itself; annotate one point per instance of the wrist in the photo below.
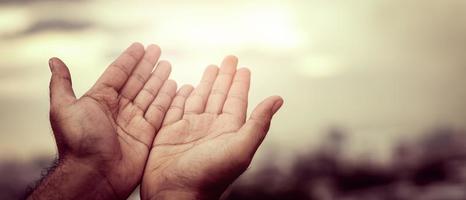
(163, 188)
(72, 179)
(183, 195)
(92, 175)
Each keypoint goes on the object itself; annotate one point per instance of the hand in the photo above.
(108, 132)
(205, 143)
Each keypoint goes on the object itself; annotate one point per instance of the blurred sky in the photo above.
(382, 70)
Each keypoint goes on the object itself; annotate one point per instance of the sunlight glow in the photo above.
(320, 66)
(269, 27)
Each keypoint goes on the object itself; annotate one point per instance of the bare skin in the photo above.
(104, 137)
(205, 141)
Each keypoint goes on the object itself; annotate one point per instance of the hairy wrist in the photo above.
(72, 179)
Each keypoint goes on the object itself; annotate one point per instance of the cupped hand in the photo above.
(205, 142)
(110, 129)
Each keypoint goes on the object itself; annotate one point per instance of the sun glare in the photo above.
(263, 27)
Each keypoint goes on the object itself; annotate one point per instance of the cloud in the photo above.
(46, 25)
(42, 25)
(20, 2)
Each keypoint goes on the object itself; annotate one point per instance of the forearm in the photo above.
(73, 180)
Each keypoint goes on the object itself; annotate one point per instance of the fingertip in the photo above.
(271, 104)
(273, 99)
(154, 47)
(165, 63)
(164, 66)
(137, 45)
(244, 70)
(51, 63)
(186, 88)
(231, 58)
(210, 71)
(55, 64)
(171, 83)
(277, 97)
(229, 64)
(277, 104)
(153, 52)
(136, 50)
(211, 67)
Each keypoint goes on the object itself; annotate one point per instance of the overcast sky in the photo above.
(383, 70)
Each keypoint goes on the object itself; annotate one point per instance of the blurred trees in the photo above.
(433, 167)
(430, 168)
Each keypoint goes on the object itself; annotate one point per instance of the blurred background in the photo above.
(375, 90)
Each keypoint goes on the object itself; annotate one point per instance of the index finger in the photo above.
(236, 103)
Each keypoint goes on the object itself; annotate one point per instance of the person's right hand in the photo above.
(109, 130)
(205, 142)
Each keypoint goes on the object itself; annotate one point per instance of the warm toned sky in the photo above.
(384, 70)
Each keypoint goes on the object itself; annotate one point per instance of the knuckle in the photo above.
(134, 58)
(150, 91)
(237, 97)
(122, 68)
(139, 77)
(218, 92)
(159, 107)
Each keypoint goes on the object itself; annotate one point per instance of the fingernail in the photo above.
(277, 106)
(51, 64)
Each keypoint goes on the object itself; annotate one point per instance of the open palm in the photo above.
(112, 126)
(205, 142)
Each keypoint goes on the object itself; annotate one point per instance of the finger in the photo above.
(159, 106)
(141, 73)
(222, 85)
(116, 75)
(153, 85)
(257, 126)
(236, 103)
(198, 98)
(175, 112)
(61, 91)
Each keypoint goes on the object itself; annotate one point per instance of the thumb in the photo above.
(61, 91)
(257, 126)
